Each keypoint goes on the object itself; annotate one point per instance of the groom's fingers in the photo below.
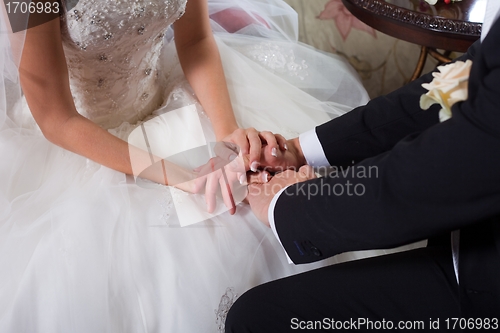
(259, 177)
(254, 190)
(289, 177)
(259, 197)
(307, 172)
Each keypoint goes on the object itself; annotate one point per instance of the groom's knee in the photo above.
(250, 313)
(239, 317)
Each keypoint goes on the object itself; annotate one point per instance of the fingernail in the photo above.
(274, 152)
(286, 147)
(232, 157)
(265, 177)
(254, 166)
(243, 179)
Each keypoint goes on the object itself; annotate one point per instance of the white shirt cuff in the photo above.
(270, 216)
(312, 149)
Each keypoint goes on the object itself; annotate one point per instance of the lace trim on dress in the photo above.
(278, 59)
(226, 301)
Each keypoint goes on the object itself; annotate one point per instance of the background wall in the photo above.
(383, 63)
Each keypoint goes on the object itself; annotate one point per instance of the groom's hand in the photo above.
(241, 151)
(261, 195)
(290, 158)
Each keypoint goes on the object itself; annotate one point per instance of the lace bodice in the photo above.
(112, 48)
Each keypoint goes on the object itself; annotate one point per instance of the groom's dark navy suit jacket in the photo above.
(432, 178)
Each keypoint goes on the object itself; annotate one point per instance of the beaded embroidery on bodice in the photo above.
(112, 49)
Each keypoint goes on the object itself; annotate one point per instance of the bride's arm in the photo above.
(200, 61)
(45, 82)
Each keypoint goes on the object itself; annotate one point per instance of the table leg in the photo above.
(420, 64)
(424, 51)
(442, 58)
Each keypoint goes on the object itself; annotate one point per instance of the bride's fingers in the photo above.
(199, 168)
(255, 147)
(198, 184)
(281, 141)
(227, 195)
(241, 177)
(203, 172)
(186, 187)
(269, 138)
(228, 151)
(213, 164)
(239, 137)
(238, 164)
(211, 190)
(272, 144)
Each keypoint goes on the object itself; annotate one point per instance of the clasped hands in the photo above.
(264, 161)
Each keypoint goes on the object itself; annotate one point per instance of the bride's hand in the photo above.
(252, 143)
(236, 154)
(239, 152)
(223, 173)
(217, 173)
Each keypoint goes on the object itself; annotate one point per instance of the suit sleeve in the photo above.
(376, 127)
(442, 177)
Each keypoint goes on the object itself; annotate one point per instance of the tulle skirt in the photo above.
(84, 248)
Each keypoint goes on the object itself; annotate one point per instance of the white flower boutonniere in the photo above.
(448, 87)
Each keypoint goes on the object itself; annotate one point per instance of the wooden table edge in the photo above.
(449, 34)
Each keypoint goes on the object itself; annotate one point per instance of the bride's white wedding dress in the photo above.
(85, 249)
